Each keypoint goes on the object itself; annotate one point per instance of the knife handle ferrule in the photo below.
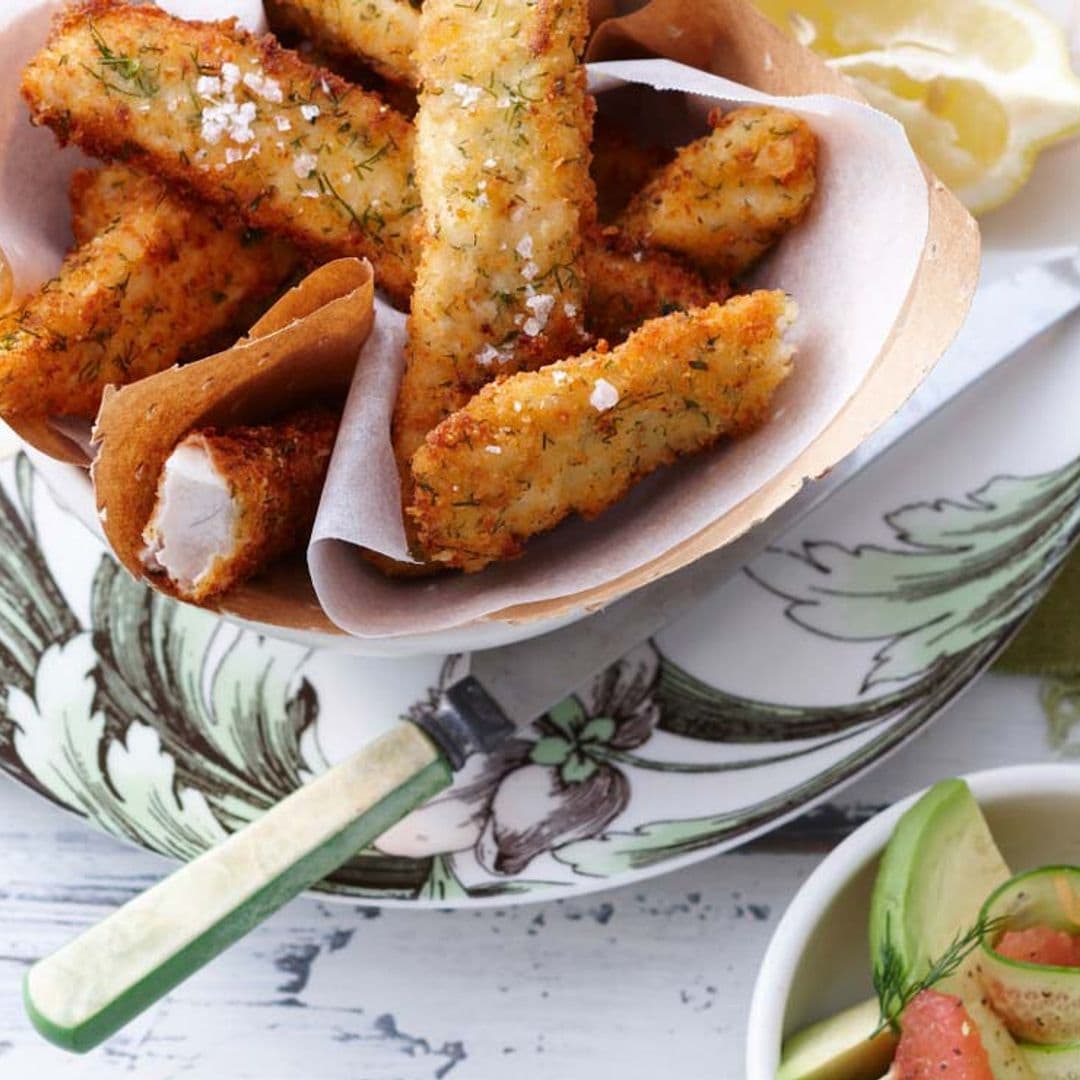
(466, 720)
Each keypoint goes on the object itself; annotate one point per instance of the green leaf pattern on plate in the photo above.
(165, 725)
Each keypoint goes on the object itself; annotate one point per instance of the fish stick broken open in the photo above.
(231, 501)
(575, 436)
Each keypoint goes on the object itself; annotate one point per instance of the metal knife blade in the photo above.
(527, 678)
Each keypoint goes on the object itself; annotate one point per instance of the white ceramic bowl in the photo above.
(818, 961)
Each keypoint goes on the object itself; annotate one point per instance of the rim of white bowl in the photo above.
(764, 1031)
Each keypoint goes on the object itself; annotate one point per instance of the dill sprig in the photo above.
(893, 983)
(144, 81)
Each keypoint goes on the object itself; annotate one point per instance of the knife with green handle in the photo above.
(94, 985)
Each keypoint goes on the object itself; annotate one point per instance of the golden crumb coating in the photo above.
(730, 195)
(575, 436)
(502, 163)
(241, 122)
(621, 165)
(629, 285)
(98, 197)
(381, 33)
(158, 284)
(275, 474)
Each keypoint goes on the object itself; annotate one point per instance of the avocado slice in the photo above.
(843, 1047)
(937, 870)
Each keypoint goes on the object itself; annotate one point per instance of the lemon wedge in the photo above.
(980, 85)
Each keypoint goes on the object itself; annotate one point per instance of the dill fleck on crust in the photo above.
(156, 282)
(730, 195)
(575, 436)
(122, 81)
(275, 473)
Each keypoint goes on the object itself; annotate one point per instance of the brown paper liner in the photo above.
(305, 347)
(41, 435)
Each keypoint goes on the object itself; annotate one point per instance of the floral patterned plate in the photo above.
(166, 725)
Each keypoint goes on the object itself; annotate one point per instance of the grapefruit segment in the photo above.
(1040, 945)
(939, 1041)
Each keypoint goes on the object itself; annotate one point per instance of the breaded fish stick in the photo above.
(231, 502)
(502, 163)
(575, 436)
(159, 283)
(628, 286)
(99, 197)
(381, 33)
(729, 196)
(241, 122)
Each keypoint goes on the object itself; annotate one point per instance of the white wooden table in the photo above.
(645, 981)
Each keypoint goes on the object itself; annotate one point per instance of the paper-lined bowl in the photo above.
(883, 270)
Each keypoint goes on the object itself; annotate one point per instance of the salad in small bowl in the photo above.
(940, 940)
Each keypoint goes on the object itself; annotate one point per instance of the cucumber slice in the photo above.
(1040, 1003)
(1060, 1062)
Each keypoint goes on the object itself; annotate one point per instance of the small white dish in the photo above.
(818, 961)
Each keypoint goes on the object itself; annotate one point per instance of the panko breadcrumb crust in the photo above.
(381, 33)
(730, 195)
(575, 436)
(315, 159)
(156, 282)
(628, 286)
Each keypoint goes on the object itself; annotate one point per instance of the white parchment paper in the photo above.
(849, 266)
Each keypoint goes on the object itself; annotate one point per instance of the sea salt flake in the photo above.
(525, 246)
(262, 85)
(558, 377)
(230, 76)
(304, 165)
(570, 309)
(466, 93)
(207, 85)
(490, 163)
(540, 305)
(529, 271)
(488, 355)
(283, 123)
(233, 155)
(310, 112)
(604, 396)
(493, 449)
